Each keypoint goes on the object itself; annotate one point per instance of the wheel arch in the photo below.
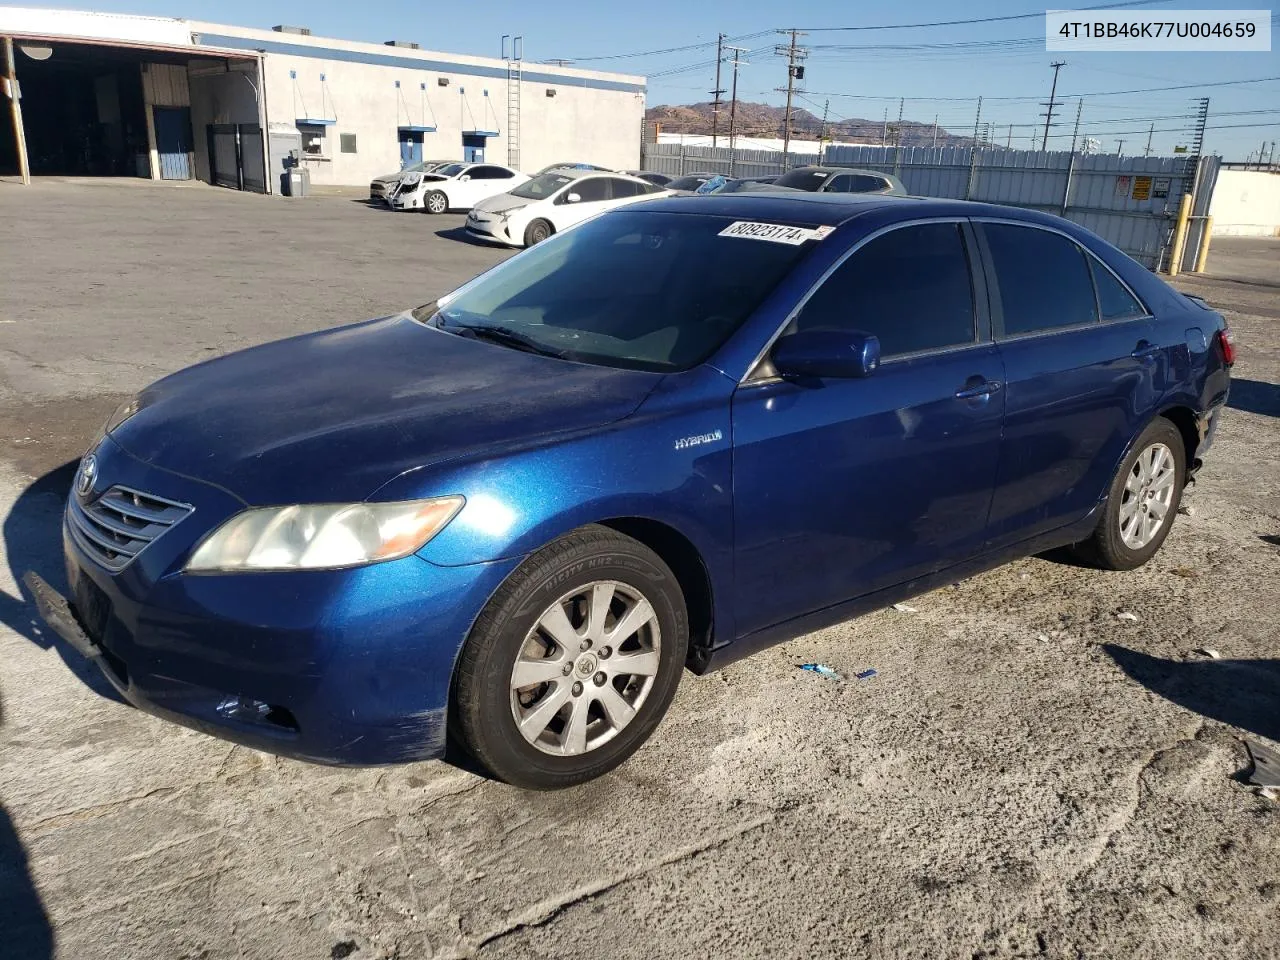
(1185, 419)
(680, 554)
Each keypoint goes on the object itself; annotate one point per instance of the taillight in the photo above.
(1228, 348)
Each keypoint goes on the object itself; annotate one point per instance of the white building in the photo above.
(800, 147)
(174, 99)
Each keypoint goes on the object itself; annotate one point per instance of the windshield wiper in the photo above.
(504, 336)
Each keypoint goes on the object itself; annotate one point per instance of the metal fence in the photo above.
(1132, 202)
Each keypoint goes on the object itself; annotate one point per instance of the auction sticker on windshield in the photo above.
(774, 232)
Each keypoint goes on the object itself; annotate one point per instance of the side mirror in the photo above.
(573, 198)
(464, 178)
(827, 353)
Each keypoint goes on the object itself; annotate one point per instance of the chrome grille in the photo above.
(115, 528)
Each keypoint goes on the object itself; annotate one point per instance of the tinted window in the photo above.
(489, 173)
(645, 290)
(1043, 279)
(591, 190)
(625, 188)
(840, 183)
(861, 183)
(910, 287)
(1117, 303)
(803, 179)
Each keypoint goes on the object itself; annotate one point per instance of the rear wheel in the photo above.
(573, 662)
(436, 202)
(536, 232)
(1142, 501)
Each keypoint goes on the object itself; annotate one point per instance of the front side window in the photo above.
(1042, 278)
(1116, 301)
(642, 290)
(590, 190)
(865, 183)
(811, 180)
(910, 287)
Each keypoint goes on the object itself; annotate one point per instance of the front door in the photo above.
(593, 197)
(472, 148)
(410, 148)
(1078, 387)
(174, 142)
(845, 487)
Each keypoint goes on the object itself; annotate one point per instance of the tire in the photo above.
(577, 728)
(537, 231)
(1125, 538)
(435, 202)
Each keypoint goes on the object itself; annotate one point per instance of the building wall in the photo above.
(594, 117)
(1246, 203)
(221, 92)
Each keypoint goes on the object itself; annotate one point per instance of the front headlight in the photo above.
(323, 536)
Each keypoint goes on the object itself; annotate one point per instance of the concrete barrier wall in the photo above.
(1246, 203)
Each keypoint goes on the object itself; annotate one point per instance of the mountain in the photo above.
(763, 120)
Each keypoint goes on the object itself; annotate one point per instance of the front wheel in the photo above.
(436, 202)
(573, 662)
(536, 232)
(1142, 501)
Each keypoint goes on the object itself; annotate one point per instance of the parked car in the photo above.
(657, 179)
(841, 180)
(381, 188)
(673, 435)
(552, 202)
(753, 185)
(689, 183)
(456, 186)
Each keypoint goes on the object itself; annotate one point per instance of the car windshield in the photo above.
(642, 290)
(539, 188)
(452, 170)
(811, 180)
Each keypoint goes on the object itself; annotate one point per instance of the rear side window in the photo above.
(591, 189)
(625, 188)
(910, 287)
(1116, 301)
(1043, 279)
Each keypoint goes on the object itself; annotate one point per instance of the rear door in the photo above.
(1080, 377)
(846, 486)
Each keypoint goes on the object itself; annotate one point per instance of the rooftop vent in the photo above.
(285, 28)
(407, 44)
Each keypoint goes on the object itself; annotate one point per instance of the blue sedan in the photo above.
(508, 520)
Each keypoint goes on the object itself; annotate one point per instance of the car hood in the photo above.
(502, 203)
(332, 416)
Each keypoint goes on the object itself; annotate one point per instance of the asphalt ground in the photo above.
(1028, 773)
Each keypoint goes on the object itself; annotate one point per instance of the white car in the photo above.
(552, 202)
(458, 186)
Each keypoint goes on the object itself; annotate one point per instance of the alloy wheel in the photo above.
(1148, 495)
(585, 668)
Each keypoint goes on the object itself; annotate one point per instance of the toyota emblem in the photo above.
(88, 474)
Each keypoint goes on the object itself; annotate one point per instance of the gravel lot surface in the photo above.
(1029, 774)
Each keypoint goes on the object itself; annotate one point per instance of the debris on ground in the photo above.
(1266, 766)
(1187, 510)
(822, 669)
(1042, 637)
(1270, 793)
(905, 608)
(1186, 572)
(1126, 615)
(1208, 652)
(867, 674)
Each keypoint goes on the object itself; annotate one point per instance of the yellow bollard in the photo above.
(1180, 235)
(1207, 234)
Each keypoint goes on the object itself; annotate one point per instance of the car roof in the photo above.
(813, 168)
(835, 209)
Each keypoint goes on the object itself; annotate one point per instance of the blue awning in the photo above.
(480, 133)
(415, 129)
(313, 122)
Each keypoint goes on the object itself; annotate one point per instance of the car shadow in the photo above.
(1242, 693)
(1255, 396)
(24, 925)
(32, 533)
(460, 234)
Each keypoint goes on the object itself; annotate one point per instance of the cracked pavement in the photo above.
(1028, 774)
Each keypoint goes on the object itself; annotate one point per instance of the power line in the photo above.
(706, 45)
(1096, 93)
(956, 23)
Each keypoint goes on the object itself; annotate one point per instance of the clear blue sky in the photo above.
(859, 82)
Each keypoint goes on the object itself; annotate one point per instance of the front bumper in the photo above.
(490, 231)
(412, 201)
(348, 667)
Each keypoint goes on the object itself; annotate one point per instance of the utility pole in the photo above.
(1150, 133)
(1008, 144)
(822, 132)
(1075, 131)
(795, 71)
(884, 130)
(15, 107)
(733, 100)
(1119, 148)
(1049, 107)
(935, 130)
(897, 140)
(717, 92)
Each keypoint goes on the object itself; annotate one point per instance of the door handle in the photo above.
(983, 388)
(1145, 350)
